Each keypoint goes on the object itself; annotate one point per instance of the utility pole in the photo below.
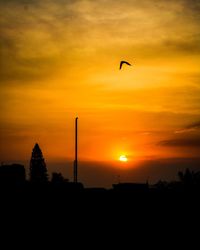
(76, 152)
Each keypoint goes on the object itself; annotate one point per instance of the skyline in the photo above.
(61, 60)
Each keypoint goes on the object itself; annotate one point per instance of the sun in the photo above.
(123, 158)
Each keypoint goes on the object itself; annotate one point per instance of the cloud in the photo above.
(181, 142)
(189, 136)
(34, 40)
(190, 128)
(38, 39)
(195, 125)
(190, 45)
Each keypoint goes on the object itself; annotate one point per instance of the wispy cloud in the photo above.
(190, 128)
(181, 142)
(189, 136)
(38, 36)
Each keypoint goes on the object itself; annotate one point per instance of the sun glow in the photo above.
(123, 158)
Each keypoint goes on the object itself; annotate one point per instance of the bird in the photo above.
(122, 62)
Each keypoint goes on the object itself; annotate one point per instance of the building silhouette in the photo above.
(133, 187)
(38, 170)
(12, 174)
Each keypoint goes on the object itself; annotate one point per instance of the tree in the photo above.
(38, 170)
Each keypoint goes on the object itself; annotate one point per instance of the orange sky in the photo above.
(60, 59)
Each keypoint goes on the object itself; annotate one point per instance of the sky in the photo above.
(60, 59)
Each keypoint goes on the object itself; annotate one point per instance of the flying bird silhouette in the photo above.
(122, 62)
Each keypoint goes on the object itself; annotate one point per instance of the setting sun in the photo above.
(123, 158)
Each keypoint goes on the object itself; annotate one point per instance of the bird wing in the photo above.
(128, 63)
(122, 62)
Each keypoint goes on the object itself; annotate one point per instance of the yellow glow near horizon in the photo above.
(123, 158)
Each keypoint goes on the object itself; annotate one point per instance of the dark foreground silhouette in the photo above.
(63, 209)
(14, 186)
(53, 203)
